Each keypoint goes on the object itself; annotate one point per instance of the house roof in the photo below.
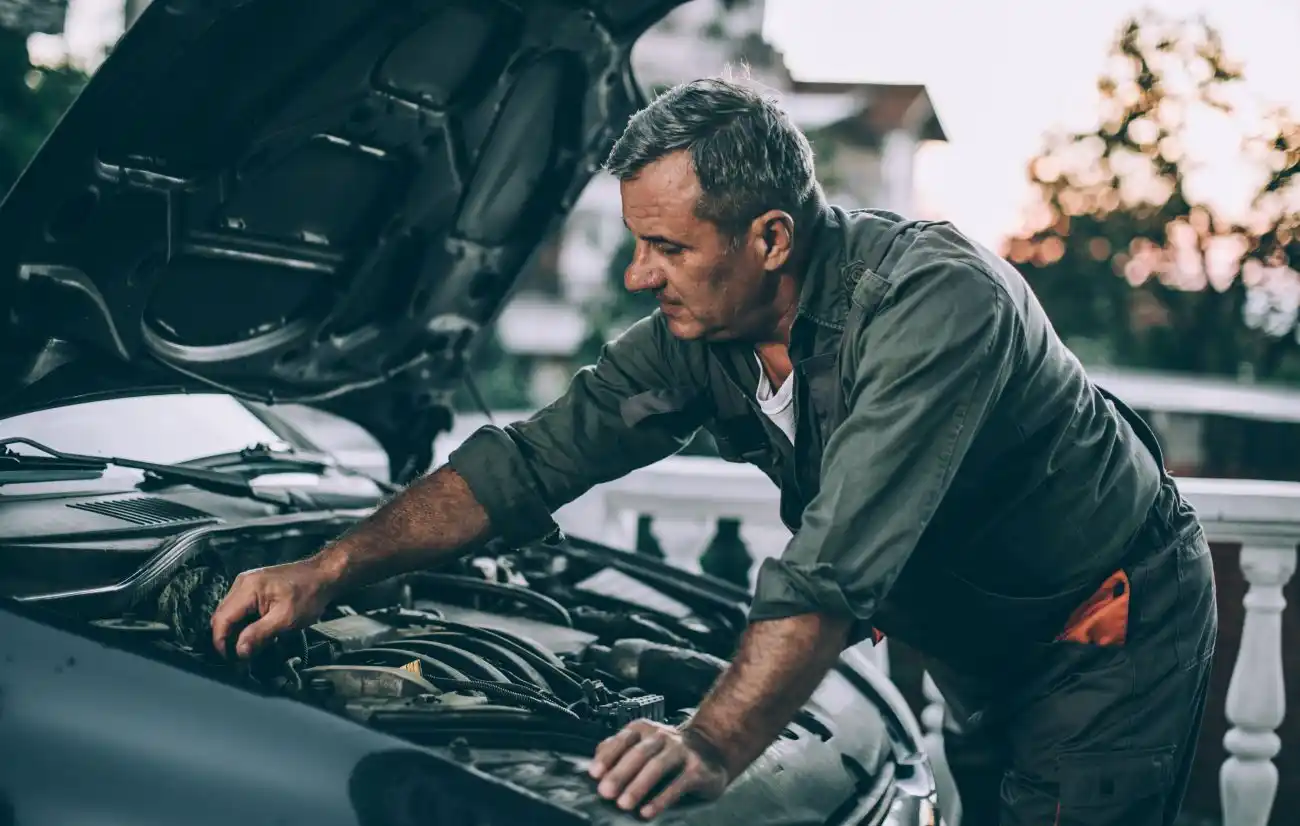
(867, 111)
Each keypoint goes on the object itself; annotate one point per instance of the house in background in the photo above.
(865, 136)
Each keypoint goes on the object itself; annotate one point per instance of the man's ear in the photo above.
(772, 234)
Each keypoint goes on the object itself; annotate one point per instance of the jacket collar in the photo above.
(837, 244)
(837, 241)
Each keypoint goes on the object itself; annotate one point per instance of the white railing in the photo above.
(687, 496)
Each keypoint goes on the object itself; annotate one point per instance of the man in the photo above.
(951, 477)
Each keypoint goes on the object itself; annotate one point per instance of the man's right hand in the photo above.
(276, 599)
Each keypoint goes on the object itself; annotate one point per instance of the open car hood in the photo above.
(315, 202)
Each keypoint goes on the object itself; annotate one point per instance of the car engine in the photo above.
(518, 662)
(490, 635)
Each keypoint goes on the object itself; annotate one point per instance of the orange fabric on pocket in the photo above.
(1103, 618)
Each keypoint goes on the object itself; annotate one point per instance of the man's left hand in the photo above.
(637, 759)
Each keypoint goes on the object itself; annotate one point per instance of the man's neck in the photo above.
(786, 308)
(790, 290)
(773, 349)
(774, 352)
(776, 362)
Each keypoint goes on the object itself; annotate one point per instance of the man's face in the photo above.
(708, 287)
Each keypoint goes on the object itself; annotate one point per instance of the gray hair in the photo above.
(747, 153)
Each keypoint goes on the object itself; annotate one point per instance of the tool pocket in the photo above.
(1123, 788)
(1007, 633)
(1102, 619)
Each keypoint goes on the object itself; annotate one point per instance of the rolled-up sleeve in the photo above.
(929, 367)
(640, 402)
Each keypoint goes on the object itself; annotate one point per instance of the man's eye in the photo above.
(669, 249)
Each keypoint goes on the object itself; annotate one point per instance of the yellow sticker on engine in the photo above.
(414, 667)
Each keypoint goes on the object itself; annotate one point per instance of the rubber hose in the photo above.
(562, 676)
(517, 666)
(504, 589)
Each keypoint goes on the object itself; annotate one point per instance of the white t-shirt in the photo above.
(777, 405)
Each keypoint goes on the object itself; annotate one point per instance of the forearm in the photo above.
(434, 518)
(778, 666)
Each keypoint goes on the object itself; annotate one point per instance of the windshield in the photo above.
(164, 429)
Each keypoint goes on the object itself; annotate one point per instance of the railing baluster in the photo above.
(1257, 692)
(647, 543)
(933, 719)
(727, 557)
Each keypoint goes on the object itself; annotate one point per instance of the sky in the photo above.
(1001, 75)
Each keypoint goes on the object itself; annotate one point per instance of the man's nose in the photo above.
(640, 277)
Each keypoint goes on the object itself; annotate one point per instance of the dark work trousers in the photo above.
(1102, 728)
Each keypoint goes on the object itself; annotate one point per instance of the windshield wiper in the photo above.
(16, 467)
(285, 459)
(264, 454)
(56, 465)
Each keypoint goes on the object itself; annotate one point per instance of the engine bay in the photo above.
(517, 663)
(430, 656)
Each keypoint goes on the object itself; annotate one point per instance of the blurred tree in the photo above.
(616, 309)
(622, 307)
(500, 377)
(32, 99)
(1131, 267)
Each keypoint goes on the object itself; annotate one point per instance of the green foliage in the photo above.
(753, 50)
(618, 308)
(622, 307)
(1132, 269)
(824, 146)
(32, 99)
(502, 379)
